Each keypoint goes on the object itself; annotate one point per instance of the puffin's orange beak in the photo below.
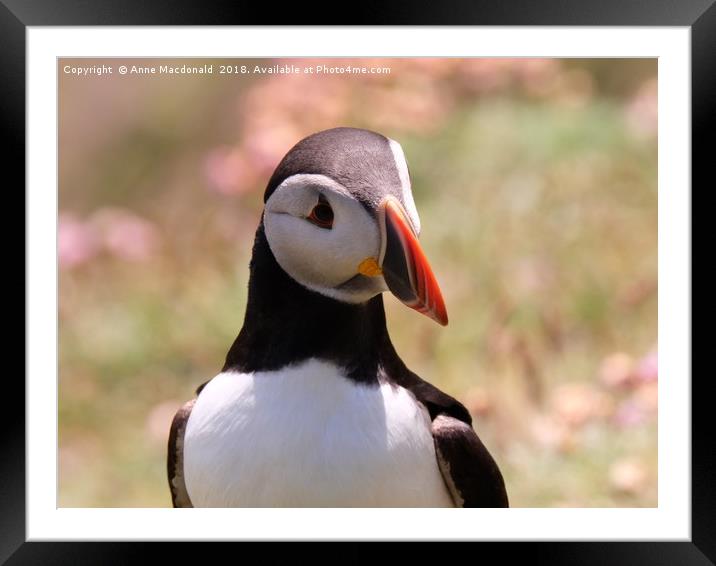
(405, 268)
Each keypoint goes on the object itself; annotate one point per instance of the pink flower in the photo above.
(576, 403)
(76, 241)
(126, 235)
(642, 112)
(478, 401)
(647, 396)
(616, 370)
(628, 476)
(539, 76)
(629, 414)
(229, 171)
(551, 433)
(648, 368)
(266, 145)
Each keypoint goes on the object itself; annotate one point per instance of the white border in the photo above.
(671, 520)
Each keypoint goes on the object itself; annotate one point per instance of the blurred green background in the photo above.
(536, 182)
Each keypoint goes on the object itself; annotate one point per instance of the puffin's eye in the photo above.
(322, 214)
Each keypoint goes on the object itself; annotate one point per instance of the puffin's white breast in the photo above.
(306, 436)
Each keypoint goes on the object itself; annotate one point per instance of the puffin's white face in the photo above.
(330, 242)
(324, 238)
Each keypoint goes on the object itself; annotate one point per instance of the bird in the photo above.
(313, 406)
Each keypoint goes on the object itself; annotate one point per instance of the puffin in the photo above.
(313, 406)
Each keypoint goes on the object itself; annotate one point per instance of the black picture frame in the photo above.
(698, 15)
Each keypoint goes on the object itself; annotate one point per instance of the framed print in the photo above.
(551, 157)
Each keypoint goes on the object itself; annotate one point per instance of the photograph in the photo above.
(357, 282)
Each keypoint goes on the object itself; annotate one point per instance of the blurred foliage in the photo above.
(536, 182)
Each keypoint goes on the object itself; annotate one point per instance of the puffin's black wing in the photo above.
(175, 457)
(470, 473)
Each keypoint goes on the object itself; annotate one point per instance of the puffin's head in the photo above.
(340, 219)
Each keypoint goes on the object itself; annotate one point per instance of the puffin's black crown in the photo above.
(360, 160)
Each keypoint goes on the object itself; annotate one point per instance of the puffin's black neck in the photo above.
(286, 323)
